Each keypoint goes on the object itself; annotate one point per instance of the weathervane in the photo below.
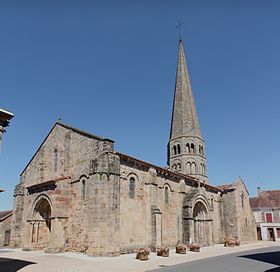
(179, 27)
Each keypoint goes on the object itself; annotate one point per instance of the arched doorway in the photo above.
(41, 223)
(201, 224)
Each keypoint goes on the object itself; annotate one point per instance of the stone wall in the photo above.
(238, 218)
(77, 194)
(66, 159)
(247, 231)
(147, 219)
(5, 227)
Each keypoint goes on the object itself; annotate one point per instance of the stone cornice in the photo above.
(161, 172)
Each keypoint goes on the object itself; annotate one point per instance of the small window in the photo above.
(188, 168)
(166, 196)
(212, 203)
(83, 189)
(132, 187)
(268, 217)
(203, 170)
(242, 200)
(55, 159)
(278, 232)
(188, 148)
(178, 148)
(179, 166)
(193, 168)
(192, 148)
(246, 222)
(175, 150)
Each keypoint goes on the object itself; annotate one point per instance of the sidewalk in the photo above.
(71, 262)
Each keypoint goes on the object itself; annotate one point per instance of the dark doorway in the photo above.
(7, 237)
(259, 233)
(271, 235)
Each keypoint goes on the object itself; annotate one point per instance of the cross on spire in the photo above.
(179, 27)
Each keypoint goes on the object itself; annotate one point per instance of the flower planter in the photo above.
(163, 251)
(142, 256)
(181, 249)
(230, 243)
(195, 247)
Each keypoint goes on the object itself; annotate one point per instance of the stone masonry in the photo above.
(78, 194)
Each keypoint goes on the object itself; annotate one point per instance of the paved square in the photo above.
(18, 260)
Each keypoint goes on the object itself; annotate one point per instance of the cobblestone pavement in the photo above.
(12, 260)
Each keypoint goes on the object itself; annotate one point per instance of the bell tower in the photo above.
(186, 148)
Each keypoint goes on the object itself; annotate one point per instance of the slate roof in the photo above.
(266, 199)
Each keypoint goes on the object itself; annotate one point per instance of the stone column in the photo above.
(156, 228)
(17, 224)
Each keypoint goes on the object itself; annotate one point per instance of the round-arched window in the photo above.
(132, 187)
(166, 196)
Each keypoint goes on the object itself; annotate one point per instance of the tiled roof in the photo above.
(5, 214)
(254, 202)
(178, 175)
(224, 186)
(266, 199)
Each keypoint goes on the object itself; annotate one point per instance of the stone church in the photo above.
(78, 194)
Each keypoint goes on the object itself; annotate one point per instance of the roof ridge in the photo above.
(275, 190)
(83, 132)
(163, 169)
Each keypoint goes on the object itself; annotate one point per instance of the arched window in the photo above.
(188, 168)
(178, 148)
(83, 193)
(178, 166)
(203, 170)
(175, 150)
(132, 187)
(242, 200)
(202, 151)
(188, 148)
(192, 148)
(193, 168)
(174, 167)
(55, 159)
(212, 203)
(166, 195)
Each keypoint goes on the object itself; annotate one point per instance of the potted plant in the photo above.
(142, 254)
(181, 248)
(163, 251)
(228, 242)
(237, 242)
(195, 247)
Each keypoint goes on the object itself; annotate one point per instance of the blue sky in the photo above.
(108, 67)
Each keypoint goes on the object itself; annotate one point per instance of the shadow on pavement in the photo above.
(267, 257)
(276, 269)
(12, 265)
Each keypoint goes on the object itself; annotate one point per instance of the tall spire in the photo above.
(184, 116)
(186, 145)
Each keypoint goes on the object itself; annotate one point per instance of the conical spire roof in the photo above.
(184, 115)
